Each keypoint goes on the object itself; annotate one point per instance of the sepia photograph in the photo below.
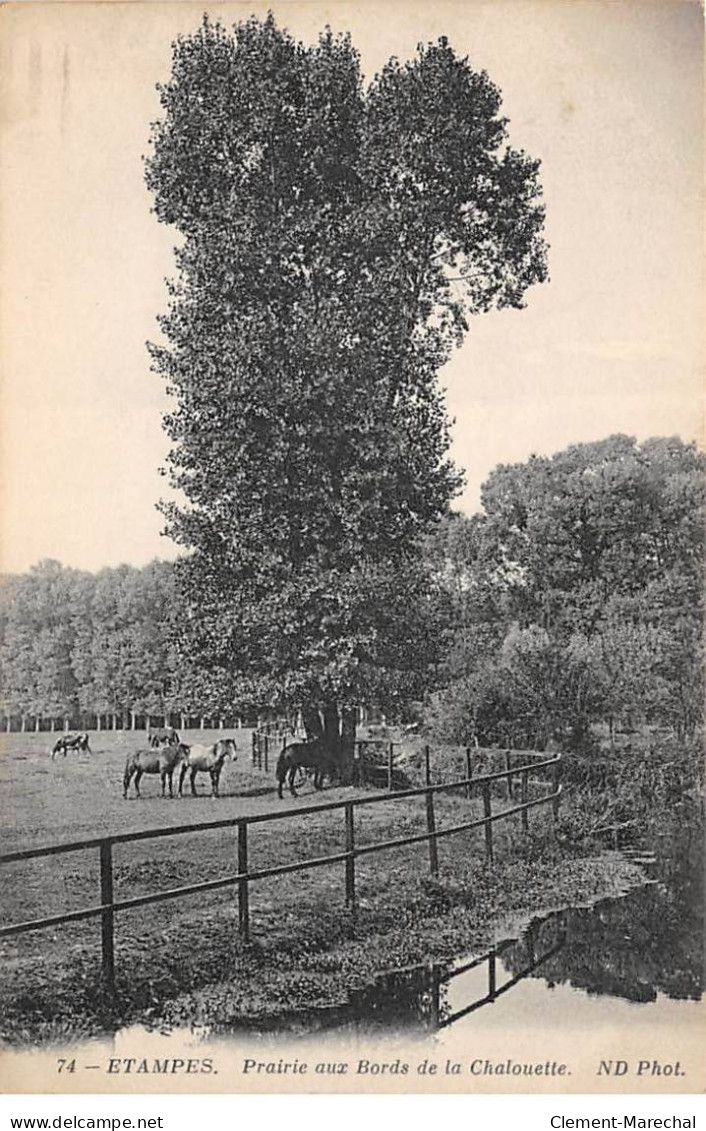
(352, 516)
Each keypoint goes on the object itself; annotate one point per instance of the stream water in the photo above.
(640, 955)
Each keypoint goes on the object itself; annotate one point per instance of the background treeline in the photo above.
(570, 609)
(83, 649)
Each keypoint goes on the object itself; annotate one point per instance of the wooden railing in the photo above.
(245, 875)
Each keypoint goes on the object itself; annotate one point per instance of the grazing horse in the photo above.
(157, 736)
(71, 741)
(299, 756)
(162, 761)
(207, 759)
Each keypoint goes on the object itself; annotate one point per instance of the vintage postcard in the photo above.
(352, 504)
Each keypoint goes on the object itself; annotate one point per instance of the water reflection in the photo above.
(645, 946)
(427, 997)
(419, 999)
(633, 949)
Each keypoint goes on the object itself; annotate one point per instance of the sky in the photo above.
(609, 95)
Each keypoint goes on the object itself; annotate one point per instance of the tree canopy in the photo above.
(578, 593)
(76, 644)
(336, 237)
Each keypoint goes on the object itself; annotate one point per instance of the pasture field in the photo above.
(81, 796)
(49, 979)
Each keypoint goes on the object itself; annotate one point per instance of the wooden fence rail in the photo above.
(244, 876)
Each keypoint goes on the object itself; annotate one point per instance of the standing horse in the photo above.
(207, 759)
(162, 761)
(302, 756)
(71, 741)
(156, 736)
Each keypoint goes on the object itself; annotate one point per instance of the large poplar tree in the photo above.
(334, 240)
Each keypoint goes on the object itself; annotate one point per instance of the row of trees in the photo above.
(76, 645)
(577, 596)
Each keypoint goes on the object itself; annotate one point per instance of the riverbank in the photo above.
(445, 921)
(307, 954)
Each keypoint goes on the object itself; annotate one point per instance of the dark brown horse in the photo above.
(303, 756)
(163, 761)
(158, 736)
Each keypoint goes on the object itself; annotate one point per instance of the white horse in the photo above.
(207, 759)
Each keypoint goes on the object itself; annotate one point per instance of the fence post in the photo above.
(488, 822)
(107, 917)
(431, 829)
(350, 858)
(360, 763)
(557, 780)
(491, 976)
(469, 772)
(427, 767)
(243, 894)
(523, 798)
(508, 767)
(390, 764)
(529, 943)
(434, 996)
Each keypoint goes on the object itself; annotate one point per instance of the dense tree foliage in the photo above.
(76, 645)
(335, 239)
(578, 595)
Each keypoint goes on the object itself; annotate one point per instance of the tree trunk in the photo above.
(336, 729)
(115, 721)
(99, 721)
(36, 724)
(312, 724)
(23, 724)
(332, 732)
(348, 728)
